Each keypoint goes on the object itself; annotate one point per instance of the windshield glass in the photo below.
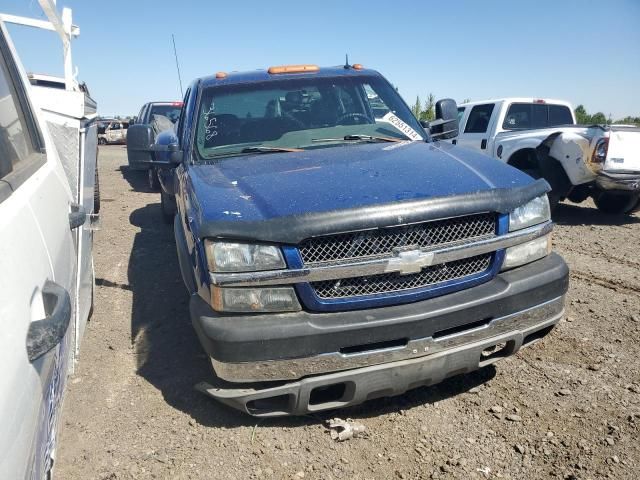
(172, 112)
(306, 112)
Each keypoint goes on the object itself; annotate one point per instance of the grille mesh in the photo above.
(394, 282)
(380, 243)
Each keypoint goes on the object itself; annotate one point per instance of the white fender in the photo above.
(573, 151)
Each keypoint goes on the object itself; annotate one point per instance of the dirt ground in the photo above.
(568, 407)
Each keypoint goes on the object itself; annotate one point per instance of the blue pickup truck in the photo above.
(335, 251)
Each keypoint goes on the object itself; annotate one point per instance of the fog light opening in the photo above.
(262, 406)
(496, 352)
(327, 394)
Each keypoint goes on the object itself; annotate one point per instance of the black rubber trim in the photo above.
(242, 338)
(183, 256)
(294, 229)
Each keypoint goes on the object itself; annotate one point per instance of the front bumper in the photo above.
(351, 387)
(629, 182)
(290, 346)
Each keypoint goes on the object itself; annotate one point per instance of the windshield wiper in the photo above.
(352, 138)
(267, 149)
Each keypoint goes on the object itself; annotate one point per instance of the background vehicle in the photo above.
(114, 131)
(334, 253)
(48, 152)
(540, 138)
(160, 116)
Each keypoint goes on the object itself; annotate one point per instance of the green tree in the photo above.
(582, 117)
(466, 100)
(417, 108)
(429, 112)
(598, 118)
(629, 120)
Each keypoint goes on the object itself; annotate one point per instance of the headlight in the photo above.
(600, 152)
(531, 213)
(527, 252)
(242, 257)
(252, 300)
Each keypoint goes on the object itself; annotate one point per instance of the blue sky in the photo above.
(587, 52)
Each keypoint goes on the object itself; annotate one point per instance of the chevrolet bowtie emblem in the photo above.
(409, 261)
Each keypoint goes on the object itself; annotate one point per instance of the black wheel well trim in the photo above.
(183, 256)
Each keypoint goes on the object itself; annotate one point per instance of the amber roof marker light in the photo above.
(293, 69)
(221, 75)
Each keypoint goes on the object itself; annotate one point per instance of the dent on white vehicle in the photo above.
(573, 151)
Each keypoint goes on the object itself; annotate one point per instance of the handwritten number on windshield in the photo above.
(211, 122)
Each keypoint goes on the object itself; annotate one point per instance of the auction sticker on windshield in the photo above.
(397, 122)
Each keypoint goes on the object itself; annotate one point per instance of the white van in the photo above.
(48, 147)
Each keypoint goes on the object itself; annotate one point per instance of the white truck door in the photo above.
(476, 131)
(38, 265)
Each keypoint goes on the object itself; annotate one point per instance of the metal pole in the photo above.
(177, 64)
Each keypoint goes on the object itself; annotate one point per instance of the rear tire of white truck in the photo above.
(616, 203)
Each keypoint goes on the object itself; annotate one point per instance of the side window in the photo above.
(180, 122)
(16, 146)
(143, 114)
(538, 115)
(559, 115)
(478, 120)
(115, 126)
(460, 114)
(518, 117)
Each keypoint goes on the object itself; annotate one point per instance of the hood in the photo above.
(242, 194)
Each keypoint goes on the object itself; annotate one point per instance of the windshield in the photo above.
(308, 112)
(172, 112)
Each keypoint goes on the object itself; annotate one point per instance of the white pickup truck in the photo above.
(48, 152)
(540, 137)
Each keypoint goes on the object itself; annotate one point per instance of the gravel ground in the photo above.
(567, 407)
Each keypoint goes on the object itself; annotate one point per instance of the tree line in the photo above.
(584, 118)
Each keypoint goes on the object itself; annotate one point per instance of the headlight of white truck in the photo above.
(532, 213)
(229, 257)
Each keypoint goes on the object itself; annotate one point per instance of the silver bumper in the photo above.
(291, 369)
(450, 356)
(619, 181)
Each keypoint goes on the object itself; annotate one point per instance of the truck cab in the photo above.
(541, 138)
(480, 122)
(335, 251)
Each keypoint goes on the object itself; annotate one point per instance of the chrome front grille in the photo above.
(370, 244)
(394, 282)
(386, 243)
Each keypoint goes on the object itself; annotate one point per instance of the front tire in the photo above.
(167, 203)
(616, 203)
(96, 193)
(153, 181)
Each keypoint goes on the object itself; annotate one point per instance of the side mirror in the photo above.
(167, 155)
(445, 125)
(175, 154)
(139, 144)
